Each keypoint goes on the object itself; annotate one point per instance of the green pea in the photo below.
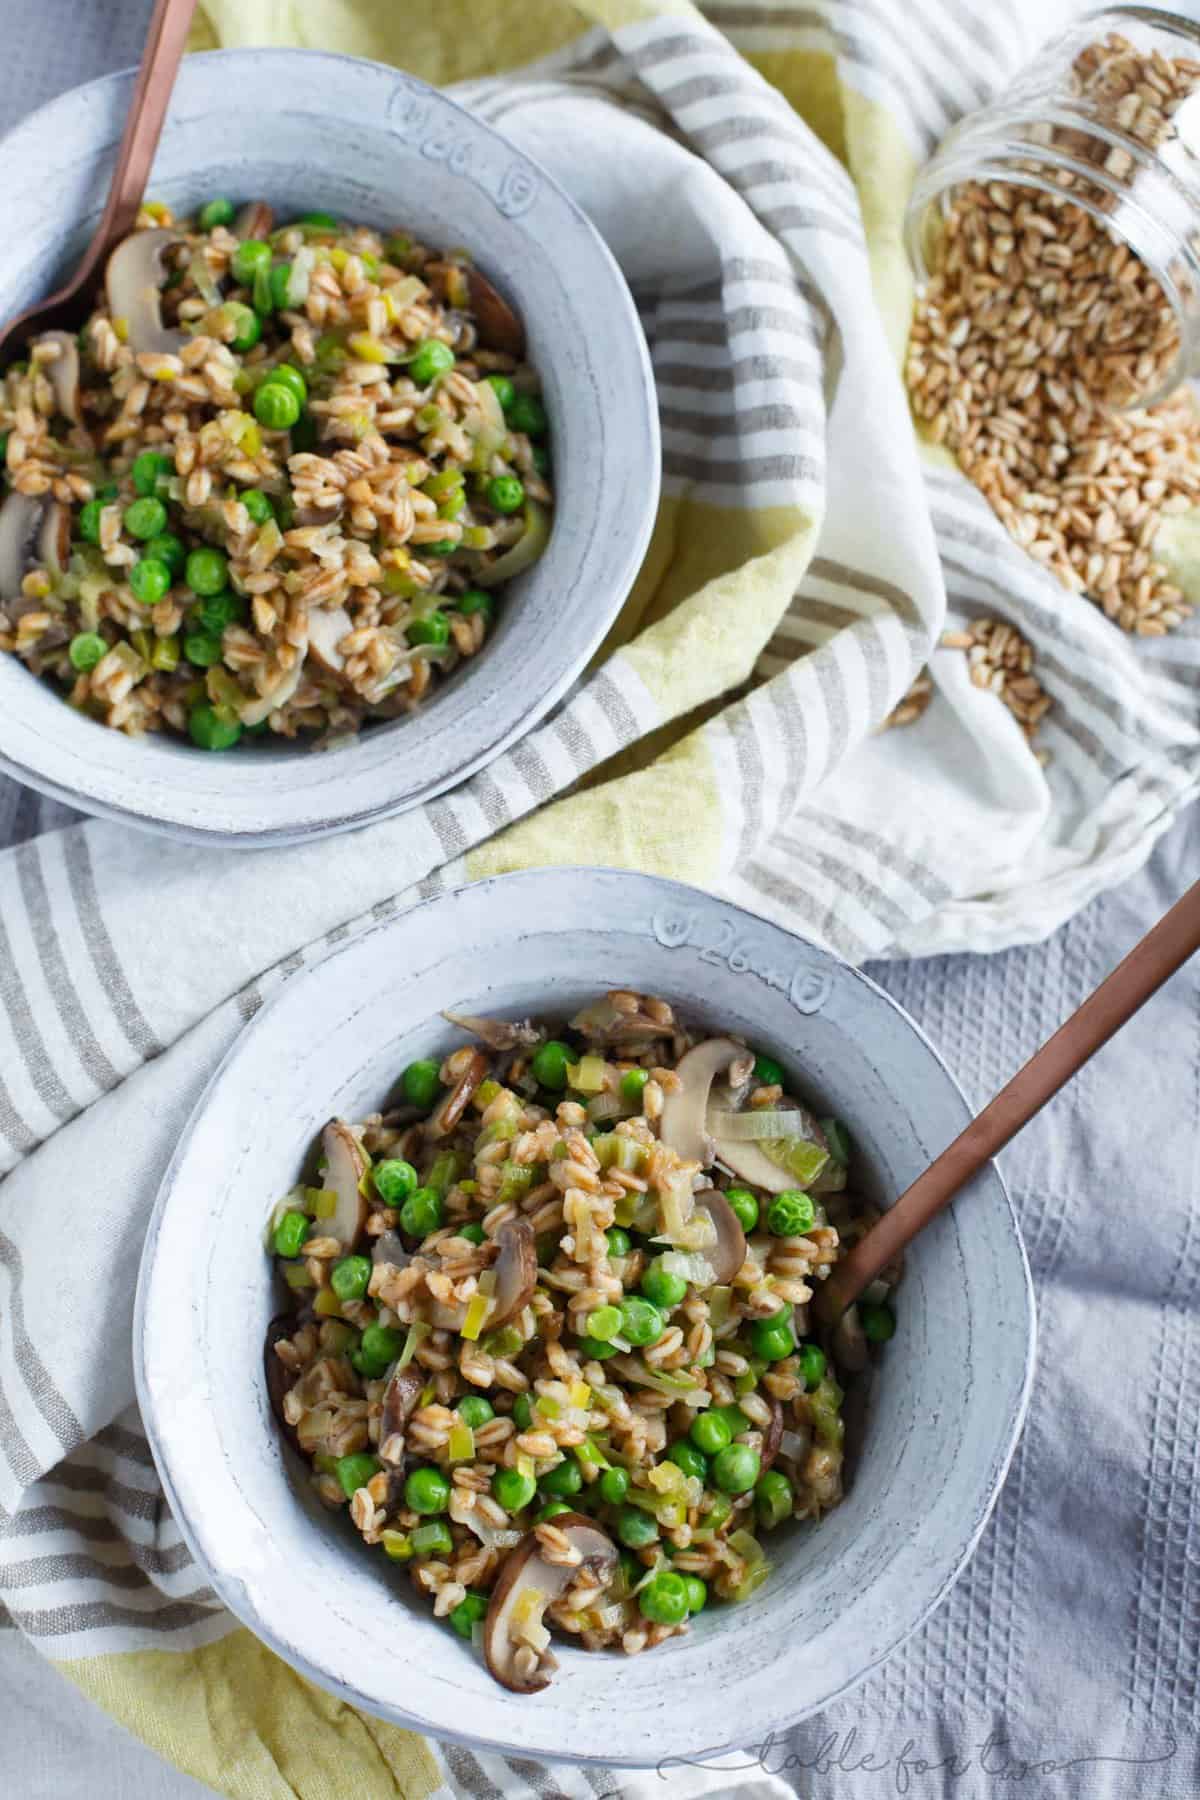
(687, 1457)
(202, 649)
(743, 1206)
(281, 274)
(505, 392)
(735, 1417)
(697, 1593)
(768, 1073)
(421, 1212)
(209, 732)
(474, 1410)
(258, 505)
(86, 650)
(207, 571)
(664, 1599)
(522, 1412)
(382, 1343)
(349, 1278)
(427, 1491)
(614, 1485)
(432, 358)
(217, 611)
(474, 600)
(811, 1365)
(276, 406)
(604, 1323)
(290, 1233)
(470, 1611)
(149, 470)
(145, 518)
(527, 414)
(420, 1082)
(149, 580)
(710, 1432)
(247, 326)
(735, 1469)
(641, 1321)
(216, 212)
(636, 1528)
(323, 221)
(791, 1213)
(89, 521)
(772, 1342)
(633, 1083)
(552, 1509)
(505, 493)
(355, 1471)
(166, 548)
(289, 377)
(878, 1321)
(662, 1287)
(433, 1539)
(563, 1480)
(394, 1180)
(773, 1498)
(472, 1232)
(513, 1490)
(433, 628)
(248, 259)
(107, 492)
(595, 1349)
(619, 1242)
(549, 1065)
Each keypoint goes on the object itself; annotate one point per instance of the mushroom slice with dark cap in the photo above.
(279, 1377)
(772, 1435)
(497, 1034)
(514, 1638)
(453, 1104)
(516, 1271)
(684, 1123)
(399, 1400)
(63, 374)
(604, 1022)
(345, 1165)
(133, 283)
(34, 533)
(728, 1253)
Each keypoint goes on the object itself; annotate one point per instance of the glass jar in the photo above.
(1107, 118)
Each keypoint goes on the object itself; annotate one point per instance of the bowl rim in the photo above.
(633, 546)
(249, 1615)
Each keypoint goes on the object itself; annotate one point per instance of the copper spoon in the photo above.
(68, 308)
(1151, 962)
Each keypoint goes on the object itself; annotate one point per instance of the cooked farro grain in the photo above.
(488, 1381)
(1035, 330)
(350, 534)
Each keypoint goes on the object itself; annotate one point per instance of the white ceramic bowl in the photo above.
(301, 130)
(944, 1412)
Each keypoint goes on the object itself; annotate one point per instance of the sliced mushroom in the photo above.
(604, 1023)
(133, 283)
(34, 533)
(345, 1165)
(278, 694)
(279, 1378)
(254, 221)
(526, 1569)
(728, 1254)
(772, 1435)
(683, 1127)
(326, 629)
(399, 1399)
(516, 1271)
(497, 1034)
(499, 326)
(63, 374)
(452, 1105)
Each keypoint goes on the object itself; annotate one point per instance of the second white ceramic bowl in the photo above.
(944, 1411)
(301, 129)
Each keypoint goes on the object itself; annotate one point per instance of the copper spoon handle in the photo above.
(165, 41)
(1163, 950)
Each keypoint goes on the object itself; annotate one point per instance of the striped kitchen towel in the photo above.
(749, 167)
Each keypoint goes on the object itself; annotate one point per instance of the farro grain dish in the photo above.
(548, 1327)
(274, 484)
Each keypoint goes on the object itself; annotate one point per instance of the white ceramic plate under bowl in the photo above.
(302, 130)
(944, 1412)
